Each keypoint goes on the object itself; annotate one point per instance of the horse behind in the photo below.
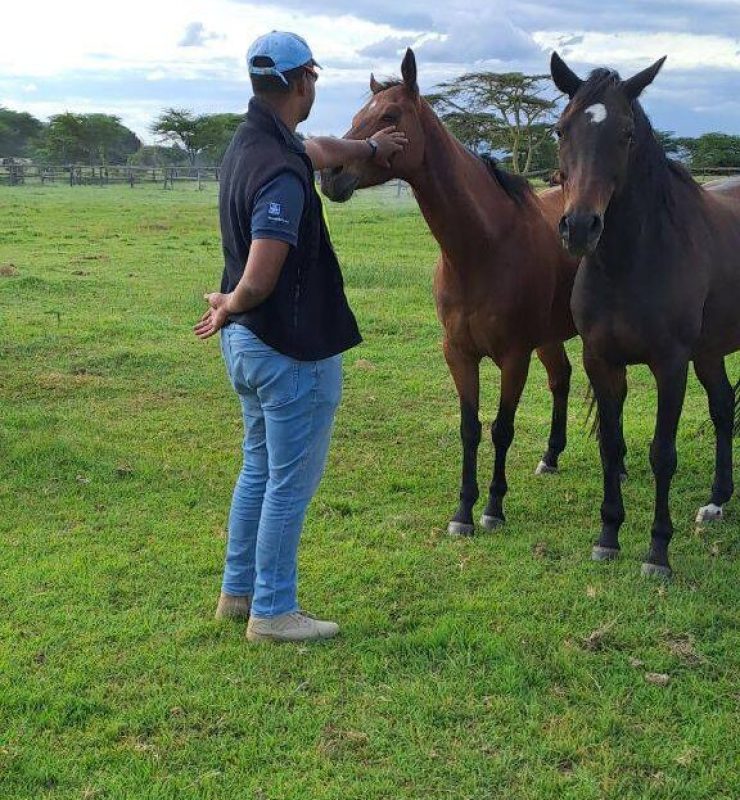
(503, 283)
(659, 284)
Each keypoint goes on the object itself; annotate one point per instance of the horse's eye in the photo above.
(558, 133)
(391, 119)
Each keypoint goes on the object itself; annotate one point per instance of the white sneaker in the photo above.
(296, 626)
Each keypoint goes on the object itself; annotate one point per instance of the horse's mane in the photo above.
(648, 159)
(515, 186)
(388, 83)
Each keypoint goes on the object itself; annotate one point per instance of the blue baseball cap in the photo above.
(285, 50)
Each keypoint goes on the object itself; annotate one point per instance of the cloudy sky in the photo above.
(135, 58)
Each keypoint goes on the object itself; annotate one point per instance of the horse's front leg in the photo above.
(464, 369)
(670, 376)
(513, 377)
(609, 385)
(555, 361)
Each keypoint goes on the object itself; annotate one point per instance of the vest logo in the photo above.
(275, 210)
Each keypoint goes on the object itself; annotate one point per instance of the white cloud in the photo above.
(79, 59)
(637, 49)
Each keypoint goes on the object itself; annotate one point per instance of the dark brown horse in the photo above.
(503, 282)
(659, 284)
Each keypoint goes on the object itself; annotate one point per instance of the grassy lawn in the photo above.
(503, 666)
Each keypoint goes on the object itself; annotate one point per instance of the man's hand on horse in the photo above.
(389, 141)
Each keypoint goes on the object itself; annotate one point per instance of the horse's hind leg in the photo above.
(465, 372)
(711, 372)
(513, 377)
(555, 361)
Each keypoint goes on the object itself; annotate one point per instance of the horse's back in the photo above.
(552, 204)
(725, 186)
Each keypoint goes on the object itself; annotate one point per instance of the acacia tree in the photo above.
(507, 111)
(207, 134)
(180, 126)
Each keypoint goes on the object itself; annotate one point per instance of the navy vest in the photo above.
(307, 316)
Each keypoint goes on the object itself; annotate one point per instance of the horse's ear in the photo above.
(634, 86)
(408, 71)
(563, 76)
(375, 87)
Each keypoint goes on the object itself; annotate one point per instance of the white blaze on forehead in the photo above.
(597, 112)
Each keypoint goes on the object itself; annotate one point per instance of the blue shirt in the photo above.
(278, 207)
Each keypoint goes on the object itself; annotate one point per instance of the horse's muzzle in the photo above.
(338, 184)
(580, 232)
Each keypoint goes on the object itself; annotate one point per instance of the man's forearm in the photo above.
(246, 297)
(327, 152)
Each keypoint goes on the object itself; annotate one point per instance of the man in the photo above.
(284, 322)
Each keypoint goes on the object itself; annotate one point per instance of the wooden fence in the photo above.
(81, 175)
(168, 177)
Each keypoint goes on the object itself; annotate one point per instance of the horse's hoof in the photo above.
(710, 513)
(601, 553)
(545, 469)
(460, 528)
(491, 523)
(656, 571)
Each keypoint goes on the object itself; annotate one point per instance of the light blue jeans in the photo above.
(288, 408)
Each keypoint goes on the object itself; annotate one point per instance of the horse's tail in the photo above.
(736, 428)
(592, 413)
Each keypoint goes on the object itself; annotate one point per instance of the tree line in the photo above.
(509, 115)
(186, 139)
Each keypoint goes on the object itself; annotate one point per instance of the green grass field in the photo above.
(503, 666)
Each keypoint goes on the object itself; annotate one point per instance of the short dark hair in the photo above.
(271, 84)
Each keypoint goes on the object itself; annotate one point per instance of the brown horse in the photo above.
(503, 282)
(659, 284)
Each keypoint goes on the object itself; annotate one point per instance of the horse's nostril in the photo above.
(596, 226)
(563, 227)
(337, 170)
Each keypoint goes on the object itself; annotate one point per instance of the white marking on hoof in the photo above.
(460, 528)
(710, 513)
(491, 523)
(597, 112)
(545, 469)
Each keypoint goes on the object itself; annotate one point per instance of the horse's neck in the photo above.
(461, 201)
(639, 220)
